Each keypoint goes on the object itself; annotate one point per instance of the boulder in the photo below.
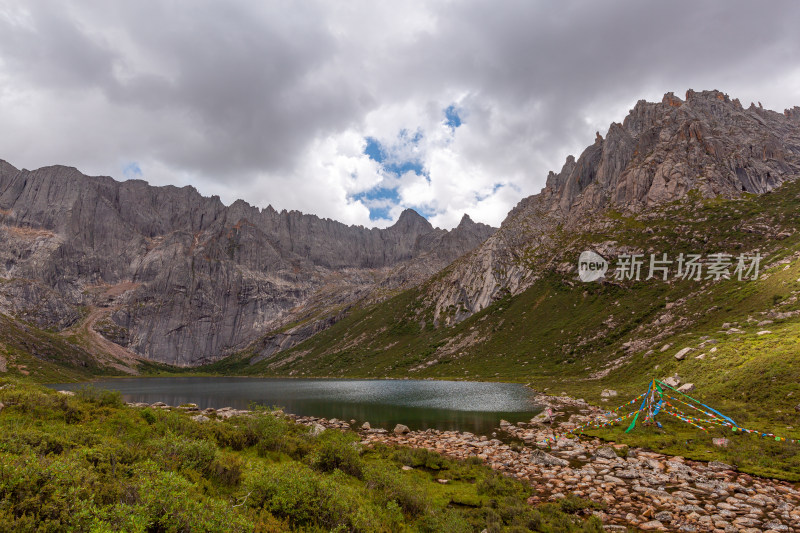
(365, 426)
(400, 429)
(316, 429)
(686, 388)
(200, 418)
(608, 393)
(672, 381)
(606, 453)
(718, 465)
(653, 525)
(681, 355)
(540, 457)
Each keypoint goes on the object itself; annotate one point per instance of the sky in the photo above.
(357, 110)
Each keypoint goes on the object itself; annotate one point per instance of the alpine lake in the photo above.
(472, 406)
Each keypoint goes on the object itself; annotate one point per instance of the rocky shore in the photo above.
(638, 488)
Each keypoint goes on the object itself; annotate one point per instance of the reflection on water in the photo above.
(447, 405)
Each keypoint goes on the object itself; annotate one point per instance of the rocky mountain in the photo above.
(172, 276)
(707, 143)
(514, 309)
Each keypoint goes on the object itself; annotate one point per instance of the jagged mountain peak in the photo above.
(707, 143)
(662, 150)
(182, 278)
(411, 219)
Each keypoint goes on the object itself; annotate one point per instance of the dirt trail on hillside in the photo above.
(103, 350)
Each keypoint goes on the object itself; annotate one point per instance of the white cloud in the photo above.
(271, 102)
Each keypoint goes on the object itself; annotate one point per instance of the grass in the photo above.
(563, 336)
(89, 463)
(43, 355)
(559, 332)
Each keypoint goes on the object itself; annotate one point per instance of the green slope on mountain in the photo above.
(563, 335)
(87, 462)
(46, 356)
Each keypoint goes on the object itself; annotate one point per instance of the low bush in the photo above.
(391, 487)
(90, 463)
(337, 450)
(101, 397)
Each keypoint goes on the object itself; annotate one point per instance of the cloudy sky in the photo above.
(356, 110)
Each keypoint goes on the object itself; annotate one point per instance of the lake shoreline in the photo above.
(421, 404)
(640, 488)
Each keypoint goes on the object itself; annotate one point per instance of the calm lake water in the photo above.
(447, 405)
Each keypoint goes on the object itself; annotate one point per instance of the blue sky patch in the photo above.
(451, 117)
(379, 201)
(132, 171)
(394, 159)
(481, 197)
(374, 150)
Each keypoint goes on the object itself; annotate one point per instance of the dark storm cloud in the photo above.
(252, 99)
(242, 76)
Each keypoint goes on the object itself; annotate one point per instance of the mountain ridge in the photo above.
(707, 143)
(201, 279)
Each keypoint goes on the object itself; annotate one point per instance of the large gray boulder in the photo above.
(541, 457)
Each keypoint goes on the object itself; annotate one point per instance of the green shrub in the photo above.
(338, 450)
(148, 415)
(168, 502)
(229, 435)
(101, 397)
(392, 487)
(444, 522)
(269, 432)
(420, 457)
(573, 504)
(227, 469)
(177, 423)
(285, 490)
(177, 452)
(497, 485)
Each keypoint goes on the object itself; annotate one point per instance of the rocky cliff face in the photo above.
(707, 143)
(183, 279)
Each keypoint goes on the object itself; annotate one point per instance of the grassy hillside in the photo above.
(561, 328)
(565, 336)
(46, 356)
(89, 463)
(562, 335)
(43, 355)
